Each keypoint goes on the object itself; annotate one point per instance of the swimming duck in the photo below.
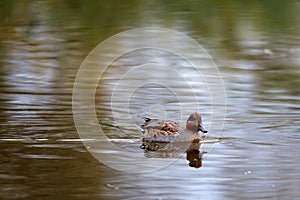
(169, 131)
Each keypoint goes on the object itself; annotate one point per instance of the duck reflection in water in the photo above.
(168, 139)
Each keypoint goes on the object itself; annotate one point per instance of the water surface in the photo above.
(256, 46)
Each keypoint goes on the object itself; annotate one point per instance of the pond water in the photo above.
(256, 47)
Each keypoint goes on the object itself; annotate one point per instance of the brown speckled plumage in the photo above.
(170, 131)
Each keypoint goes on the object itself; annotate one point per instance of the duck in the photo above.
(167, 131)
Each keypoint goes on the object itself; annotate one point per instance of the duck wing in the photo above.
(162, 130)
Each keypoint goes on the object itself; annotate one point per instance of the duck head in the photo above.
(194, 123)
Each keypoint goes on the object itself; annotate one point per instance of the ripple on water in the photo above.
(255, 157)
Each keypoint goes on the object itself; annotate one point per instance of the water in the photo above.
(256, 46)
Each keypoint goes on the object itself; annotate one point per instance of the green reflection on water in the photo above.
(77, 26)
(280, 77)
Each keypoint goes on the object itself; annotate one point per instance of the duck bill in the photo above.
(202, 129)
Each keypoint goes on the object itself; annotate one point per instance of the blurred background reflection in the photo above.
(256, 45)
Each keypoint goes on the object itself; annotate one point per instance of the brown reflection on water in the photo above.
(33, 83)
(175, 150)
(47, 169)
(255, 43)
